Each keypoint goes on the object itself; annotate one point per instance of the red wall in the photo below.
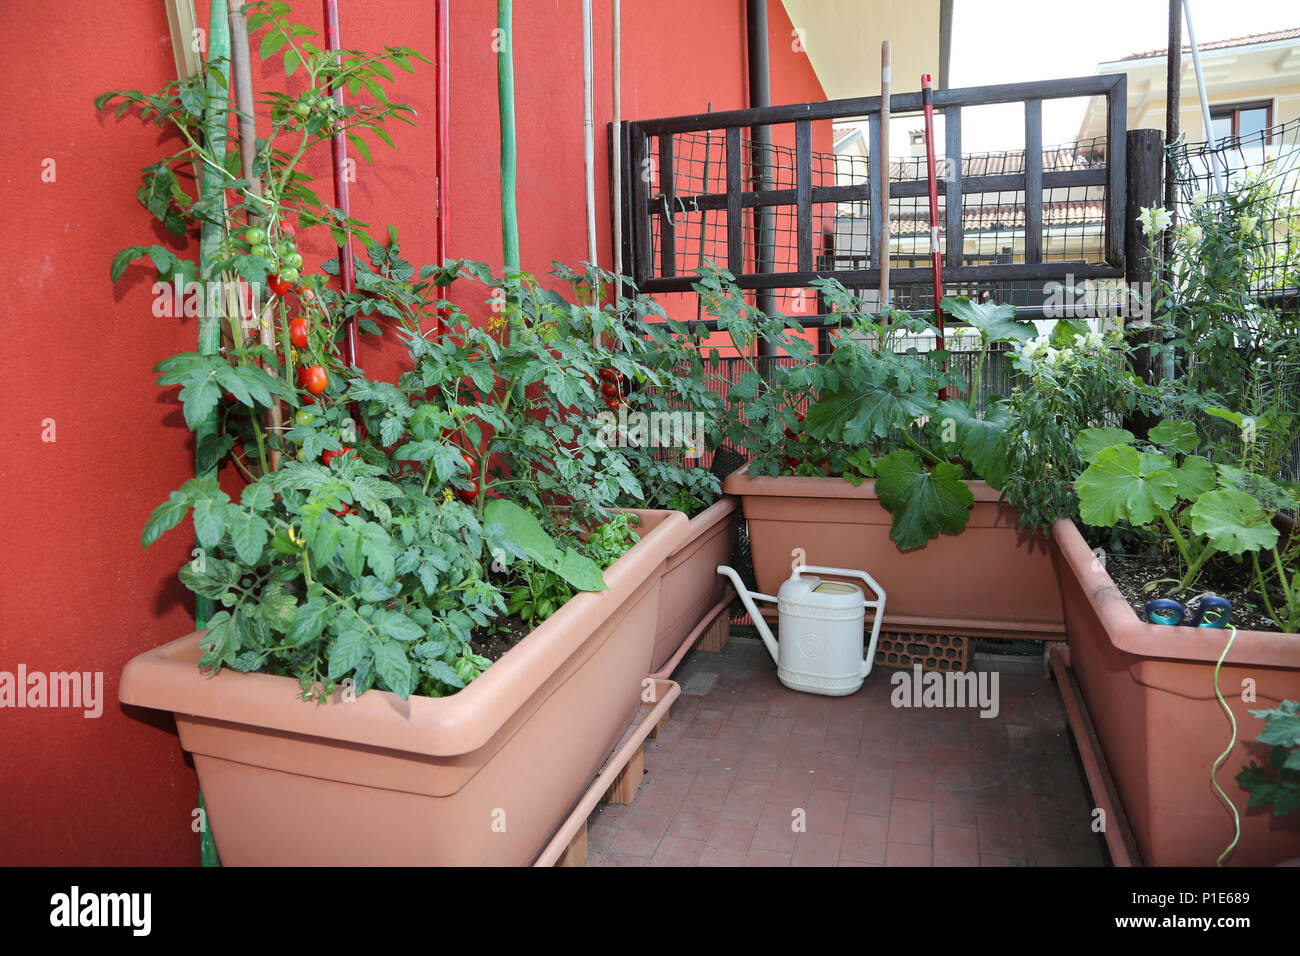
(79, 593)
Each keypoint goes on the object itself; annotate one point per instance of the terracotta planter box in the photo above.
(693, 592)
(484, 777)
(992, 580)
(1149, 690)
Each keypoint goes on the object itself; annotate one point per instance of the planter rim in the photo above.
(1131, 634)
(713, 515)
(739, 482)
(168, 677)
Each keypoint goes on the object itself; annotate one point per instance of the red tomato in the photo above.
(470, 464)
(329, 454)
(608, 375)
(298, 332)
(468, 495)
(613, 404)
(345, 510)
(316, 380)
(609, 390)
(278, 285)
(287, 230)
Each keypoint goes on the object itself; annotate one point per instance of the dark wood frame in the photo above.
(640, 206)
(1217, 110)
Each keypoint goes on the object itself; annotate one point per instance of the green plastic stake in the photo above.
(506, 107)
(211, 235)
(210, 325)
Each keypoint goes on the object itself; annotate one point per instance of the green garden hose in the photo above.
(1236, 817)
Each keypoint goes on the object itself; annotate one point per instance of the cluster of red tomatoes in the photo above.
(610, 389)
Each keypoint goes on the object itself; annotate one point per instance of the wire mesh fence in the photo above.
(1266, 164)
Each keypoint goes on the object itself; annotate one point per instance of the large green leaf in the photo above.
(1091, 441)
(922, 502)
(855, 414)
(979, 439)
(1175, 436)
(1195, 476)
(1233, 521)
(525, 531)
(1116, 487)
(997, 321)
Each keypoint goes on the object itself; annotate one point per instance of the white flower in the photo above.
(1050, 355)
(1155, 220)
(1192, 234)
(1198, 199)
(1248, 224)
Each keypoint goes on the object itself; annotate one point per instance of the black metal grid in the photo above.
(1024, 217)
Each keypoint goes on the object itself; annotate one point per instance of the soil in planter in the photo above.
(1131, 573)
(504, 633)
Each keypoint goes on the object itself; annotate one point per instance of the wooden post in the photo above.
(623, 789)
(1173, 109)
(576, 852)
(1143, 175)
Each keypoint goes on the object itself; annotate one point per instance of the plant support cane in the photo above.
(218, 83)
(936, 257)
(882, 162)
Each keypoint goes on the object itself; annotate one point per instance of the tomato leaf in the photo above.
(165, 517)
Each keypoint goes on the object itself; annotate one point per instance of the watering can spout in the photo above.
(747, 598)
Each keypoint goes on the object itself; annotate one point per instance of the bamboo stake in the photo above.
(886, 61)
(242, 73)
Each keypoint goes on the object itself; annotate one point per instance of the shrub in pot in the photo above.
(390, 540)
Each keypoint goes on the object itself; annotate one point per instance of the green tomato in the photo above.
(289, 275)
(294, 260)
(255, 236)
(302, 455)
(304, 417)
(259, 250)
(301, 108)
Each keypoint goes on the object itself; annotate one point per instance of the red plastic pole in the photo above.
(443, 47)
(936, 258)
(347, 270)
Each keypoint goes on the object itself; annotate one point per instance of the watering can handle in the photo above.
(878, 604)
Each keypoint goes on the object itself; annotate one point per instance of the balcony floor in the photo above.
(880, 786)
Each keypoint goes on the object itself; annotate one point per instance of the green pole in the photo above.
(506, 101)
(211, 236)
(210, 239)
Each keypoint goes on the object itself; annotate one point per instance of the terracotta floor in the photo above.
(878, 785)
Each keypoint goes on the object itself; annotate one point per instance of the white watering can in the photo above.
(820, 622)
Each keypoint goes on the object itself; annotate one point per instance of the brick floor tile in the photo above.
(675, 851)
(827, 810)
(642, 833)
(766, 858)
(913, 781)
(956, 846)
(816, 849)
(774, 830)
(908, 854)
(910, 821)
(954, 806)
(744, 802)
(865, 838)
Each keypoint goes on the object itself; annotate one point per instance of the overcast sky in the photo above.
(1007, 41)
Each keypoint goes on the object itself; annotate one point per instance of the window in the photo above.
(1241, 119)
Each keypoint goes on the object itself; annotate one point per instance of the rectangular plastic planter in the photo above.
(1149, 690)
(693, 592)
(484, 777)
(992, 580)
